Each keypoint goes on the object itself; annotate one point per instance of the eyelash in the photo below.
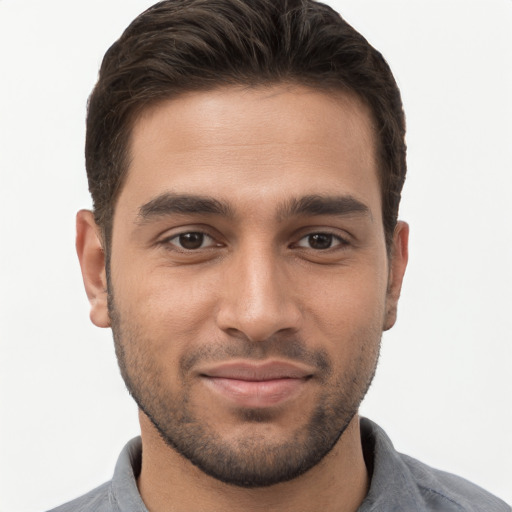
(339, 242)
(168, 241)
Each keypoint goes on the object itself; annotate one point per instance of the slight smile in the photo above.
(256, 385)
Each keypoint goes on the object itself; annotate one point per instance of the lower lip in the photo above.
(264, 393)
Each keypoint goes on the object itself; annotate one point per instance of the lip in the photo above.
(256, 384)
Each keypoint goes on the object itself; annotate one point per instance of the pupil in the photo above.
(191, 240)
(320, 241)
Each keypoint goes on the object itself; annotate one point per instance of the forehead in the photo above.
(259, 143)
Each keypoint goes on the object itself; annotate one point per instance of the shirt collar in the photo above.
(124, 482)
(391, 487)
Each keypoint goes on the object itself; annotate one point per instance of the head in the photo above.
(182, 46)
(245, 161)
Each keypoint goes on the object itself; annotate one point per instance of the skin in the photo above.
(254, 289)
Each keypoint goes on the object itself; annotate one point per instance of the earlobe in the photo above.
(92, 262)
(397, 265)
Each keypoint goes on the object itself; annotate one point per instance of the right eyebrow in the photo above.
(170, 203)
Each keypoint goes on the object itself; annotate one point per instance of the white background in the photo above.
(443, 389)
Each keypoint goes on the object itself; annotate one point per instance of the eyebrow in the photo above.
(170, 203)
(317, 205)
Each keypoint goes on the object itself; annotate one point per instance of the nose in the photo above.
(258, 297)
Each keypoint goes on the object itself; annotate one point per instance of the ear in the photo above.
(90, 252)
(397, 265)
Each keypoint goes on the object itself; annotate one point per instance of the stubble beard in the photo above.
(253, 461)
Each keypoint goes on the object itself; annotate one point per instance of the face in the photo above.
(249, 281)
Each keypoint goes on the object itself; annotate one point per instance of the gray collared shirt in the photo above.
(398, 483)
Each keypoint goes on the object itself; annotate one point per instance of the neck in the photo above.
(168, 482)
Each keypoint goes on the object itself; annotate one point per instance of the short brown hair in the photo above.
(178, 46)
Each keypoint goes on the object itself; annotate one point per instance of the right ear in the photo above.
(90, 252)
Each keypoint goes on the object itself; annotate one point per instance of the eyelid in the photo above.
(205, 237)
(166, 240)
(336, 238)
(343, 238)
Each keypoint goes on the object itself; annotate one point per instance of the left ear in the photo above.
(397, 265)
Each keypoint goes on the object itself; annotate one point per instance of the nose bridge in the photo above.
(258, 299)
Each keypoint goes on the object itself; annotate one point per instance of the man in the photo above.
(246, 161)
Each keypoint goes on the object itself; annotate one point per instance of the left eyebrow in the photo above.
(317, 205)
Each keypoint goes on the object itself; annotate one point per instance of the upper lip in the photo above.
(251, 371)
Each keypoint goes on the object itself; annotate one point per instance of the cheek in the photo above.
(348, 311)
(161, 320)
(170, 306)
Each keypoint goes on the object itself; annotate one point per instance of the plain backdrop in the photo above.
(443, 388)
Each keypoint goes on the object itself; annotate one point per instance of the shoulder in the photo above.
(445, 491)
(399, 482)
(98, 500)
(120, 493)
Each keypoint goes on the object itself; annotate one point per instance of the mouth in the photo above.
(246, 384)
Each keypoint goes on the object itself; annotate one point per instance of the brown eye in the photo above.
(320, 241)
(192, 240)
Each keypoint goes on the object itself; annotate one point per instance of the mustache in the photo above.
(293, 350)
